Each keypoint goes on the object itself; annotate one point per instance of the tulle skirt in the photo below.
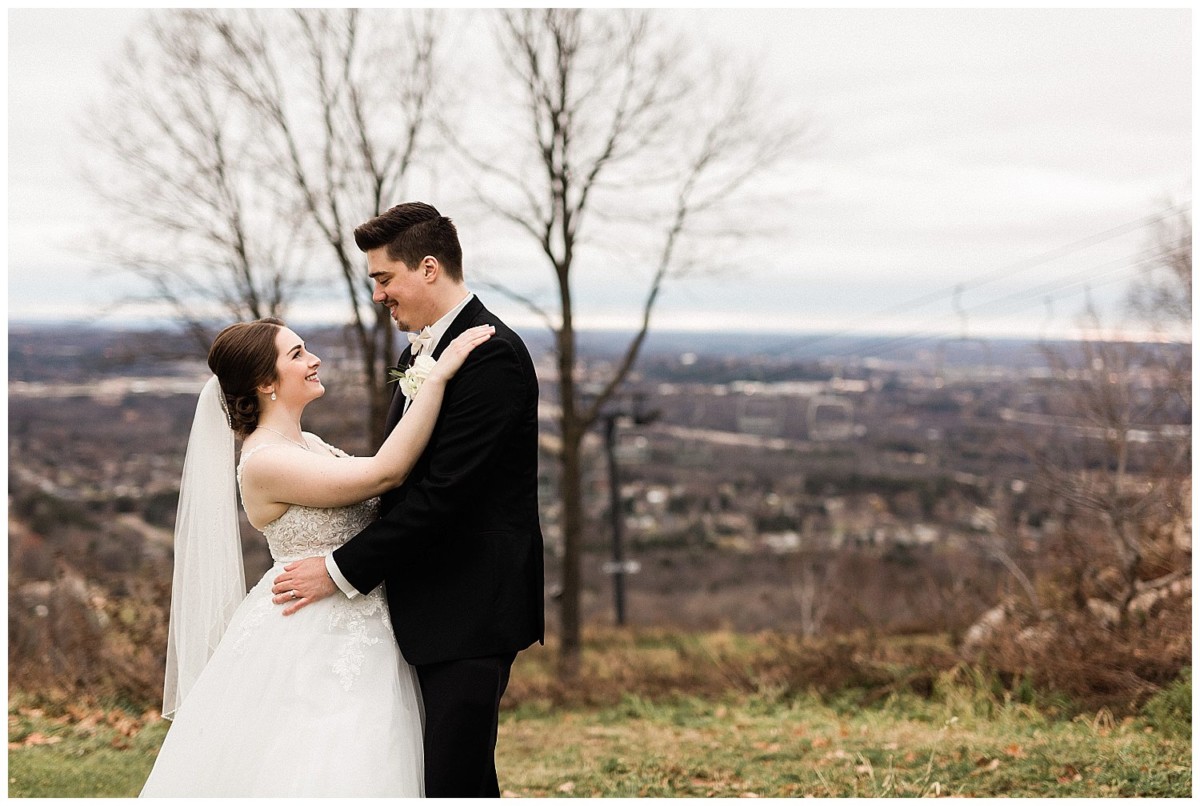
(319, 703)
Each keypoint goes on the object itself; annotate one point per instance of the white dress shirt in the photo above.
(437, 329)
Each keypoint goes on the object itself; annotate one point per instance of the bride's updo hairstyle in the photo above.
(243, 358)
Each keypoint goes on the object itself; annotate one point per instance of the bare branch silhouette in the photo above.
(618, 127)
(244, 147)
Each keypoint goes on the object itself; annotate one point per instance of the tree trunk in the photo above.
(571, 481)
(379, 391)
(378, 403)
(571, 492)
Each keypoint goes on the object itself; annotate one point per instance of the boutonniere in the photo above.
(411, 379)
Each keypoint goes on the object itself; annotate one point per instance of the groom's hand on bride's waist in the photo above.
(302, 583)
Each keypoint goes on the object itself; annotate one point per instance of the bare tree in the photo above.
(180, 180)
(245, 147)
(1120, 467)
(813, 578)
(1162, 296)
(626, 146)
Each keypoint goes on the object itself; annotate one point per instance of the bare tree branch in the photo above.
(621, 138)
(250, 143)
(1109, 472)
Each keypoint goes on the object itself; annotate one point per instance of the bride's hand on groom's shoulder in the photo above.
(302, 583)
(456, 352)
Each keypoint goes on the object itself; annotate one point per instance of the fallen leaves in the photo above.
(75, 720)
(33, 740)
(1069, 775)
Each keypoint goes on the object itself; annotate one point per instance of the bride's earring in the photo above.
(272, 395)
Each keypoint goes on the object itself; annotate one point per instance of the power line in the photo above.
(1092, 273)
(987, 277)
(892, 344)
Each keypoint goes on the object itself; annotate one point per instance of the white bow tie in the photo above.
(420, 341)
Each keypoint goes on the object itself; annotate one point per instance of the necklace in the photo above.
(285, 436)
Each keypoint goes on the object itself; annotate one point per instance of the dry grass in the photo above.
(658, 663)
(1073, 655)
(700, 715)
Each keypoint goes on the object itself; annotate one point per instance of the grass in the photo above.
(727, 729)
(76, 751)
(903, 748)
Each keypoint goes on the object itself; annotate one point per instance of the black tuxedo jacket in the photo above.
(459, 544)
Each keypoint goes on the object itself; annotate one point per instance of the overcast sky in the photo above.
(988, 149)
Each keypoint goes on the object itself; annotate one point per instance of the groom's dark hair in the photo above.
(410, 231)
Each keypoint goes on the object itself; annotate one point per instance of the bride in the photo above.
(321, 703)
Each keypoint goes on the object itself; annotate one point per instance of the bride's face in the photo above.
(296, 379)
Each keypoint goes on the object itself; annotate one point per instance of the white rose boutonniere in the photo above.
(413, 378)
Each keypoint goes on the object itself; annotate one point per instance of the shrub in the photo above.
(1093, 664)
(49, 515)
(1170, 710)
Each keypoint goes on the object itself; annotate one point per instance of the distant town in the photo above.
(812, 483)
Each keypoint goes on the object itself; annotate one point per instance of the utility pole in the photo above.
(618, 567)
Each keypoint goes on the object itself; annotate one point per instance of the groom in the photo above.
(458, 544)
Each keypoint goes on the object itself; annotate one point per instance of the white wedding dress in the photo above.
(319, 703)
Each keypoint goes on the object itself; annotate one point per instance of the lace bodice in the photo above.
(310, 531)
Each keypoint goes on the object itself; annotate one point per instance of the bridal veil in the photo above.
(209, 580)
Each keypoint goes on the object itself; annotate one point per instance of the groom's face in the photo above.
(404, 292)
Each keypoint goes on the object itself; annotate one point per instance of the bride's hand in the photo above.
(456, 352)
